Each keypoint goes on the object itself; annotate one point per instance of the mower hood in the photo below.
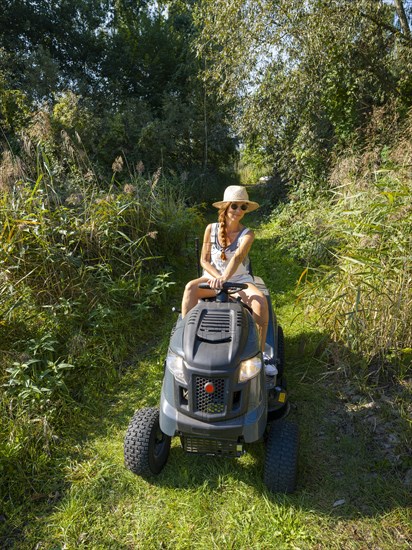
(216, 336)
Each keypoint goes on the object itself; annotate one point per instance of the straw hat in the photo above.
(236, 193)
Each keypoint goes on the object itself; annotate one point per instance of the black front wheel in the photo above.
(281, 352)
(281, 459)
(146, 447)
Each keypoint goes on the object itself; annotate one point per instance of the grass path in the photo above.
(348, 496)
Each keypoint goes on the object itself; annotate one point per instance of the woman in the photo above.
(224, 257)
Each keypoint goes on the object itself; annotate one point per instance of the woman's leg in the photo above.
(255, 299)
(193, 293)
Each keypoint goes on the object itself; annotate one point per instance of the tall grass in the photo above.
(355, 244)
(365, 297)
(83, 265)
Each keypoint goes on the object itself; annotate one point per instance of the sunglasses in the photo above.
(235, 206)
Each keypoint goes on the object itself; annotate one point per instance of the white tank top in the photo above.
(242, 274)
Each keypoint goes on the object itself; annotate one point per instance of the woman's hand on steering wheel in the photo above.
(216, 283)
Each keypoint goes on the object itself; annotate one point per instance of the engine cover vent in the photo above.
(215, 326)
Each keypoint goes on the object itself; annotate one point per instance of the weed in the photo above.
(355, 246)
(82, 270)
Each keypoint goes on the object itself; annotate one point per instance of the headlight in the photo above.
(250, 368)
(175, 364)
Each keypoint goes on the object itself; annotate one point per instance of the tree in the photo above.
(400, 10)
(55, 45)
(304, 76)
(129, 71)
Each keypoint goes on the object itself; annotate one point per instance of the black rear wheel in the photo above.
(281, 459)
(146, 447)
(281, 352)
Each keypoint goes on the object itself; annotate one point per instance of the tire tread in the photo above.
(138, 443)
(281, 457)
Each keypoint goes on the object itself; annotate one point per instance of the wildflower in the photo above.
(129, 189)
(152, 234)
(156, 177)
(140, 167)
(117, 165)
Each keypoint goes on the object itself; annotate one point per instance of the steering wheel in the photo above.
(227, 290)
(229, 287)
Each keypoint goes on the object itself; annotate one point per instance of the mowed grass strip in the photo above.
(347, 497)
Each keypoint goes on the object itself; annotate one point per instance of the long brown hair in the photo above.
(222, 230)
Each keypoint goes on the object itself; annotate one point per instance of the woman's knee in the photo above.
(192, 289)
(260, 305)
(190, 286)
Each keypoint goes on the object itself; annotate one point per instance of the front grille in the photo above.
(211, 446)
(210, 403)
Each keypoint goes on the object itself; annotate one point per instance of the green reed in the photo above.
(83, 266)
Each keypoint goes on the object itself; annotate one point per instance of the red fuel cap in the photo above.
(209, 387)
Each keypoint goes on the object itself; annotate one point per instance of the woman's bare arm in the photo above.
(205, 256)
(240, 254)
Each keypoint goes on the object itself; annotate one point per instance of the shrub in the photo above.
(82, 269)
(356, 242)
(303, 229)
(365, 297)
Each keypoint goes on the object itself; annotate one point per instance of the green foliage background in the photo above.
(80, 280)
(305, 77)
(119, 120)
(121, 78)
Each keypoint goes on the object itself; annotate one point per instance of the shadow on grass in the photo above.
(342, 469)
(342, 472)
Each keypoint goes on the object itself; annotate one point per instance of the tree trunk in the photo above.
(400, 10)
(205, 159)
